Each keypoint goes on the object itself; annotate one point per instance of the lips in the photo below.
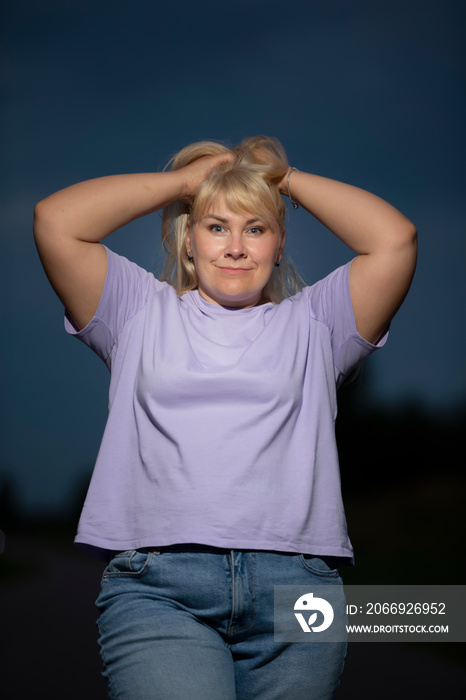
(234, 270)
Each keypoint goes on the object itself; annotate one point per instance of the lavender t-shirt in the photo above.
(221, 421)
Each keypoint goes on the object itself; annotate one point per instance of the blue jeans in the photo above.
(198, 625)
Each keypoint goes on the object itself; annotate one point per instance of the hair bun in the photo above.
(264, 151)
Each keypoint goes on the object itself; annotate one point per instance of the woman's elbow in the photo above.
(411, 233)
(408, 248)
(411, 238)
(45, 218)
(406, 239)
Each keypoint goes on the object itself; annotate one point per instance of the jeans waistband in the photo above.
(186, 548)
(333, 562)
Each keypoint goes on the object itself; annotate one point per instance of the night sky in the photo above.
(371, 93)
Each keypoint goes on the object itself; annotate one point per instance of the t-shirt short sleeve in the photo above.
(330, 303)
(125, 293)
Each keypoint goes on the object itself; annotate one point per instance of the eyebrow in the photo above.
(225, 221)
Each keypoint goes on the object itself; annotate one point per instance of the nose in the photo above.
(235, 247)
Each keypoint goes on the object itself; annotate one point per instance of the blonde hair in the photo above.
(249, 183)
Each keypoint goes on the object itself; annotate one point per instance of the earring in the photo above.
(277, 264)
(190, 258)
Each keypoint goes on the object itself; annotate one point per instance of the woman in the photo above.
(217, 477)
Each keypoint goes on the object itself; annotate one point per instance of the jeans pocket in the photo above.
(129, 564)
(325, 568)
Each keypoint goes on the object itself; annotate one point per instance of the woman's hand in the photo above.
(197, 172)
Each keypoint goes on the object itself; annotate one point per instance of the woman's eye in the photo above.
(216, 228)
(255, 230)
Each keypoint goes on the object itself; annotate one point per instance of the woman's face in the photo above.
(234, 255)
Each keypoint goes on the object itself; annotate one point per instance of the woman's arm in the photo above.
(69, 225)
(385, 240)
